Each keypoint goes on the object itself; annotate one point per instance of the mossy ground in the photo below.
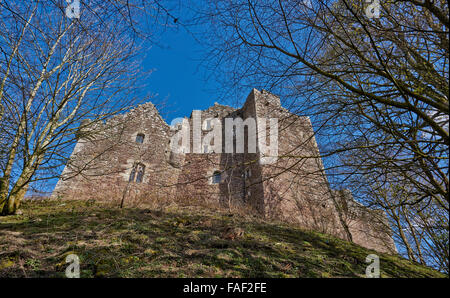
(176, 242)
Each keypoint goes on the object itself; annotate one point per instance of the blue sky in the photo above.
(177, 78)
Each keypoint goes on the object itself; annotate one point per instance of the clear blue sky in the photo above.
(177, 78)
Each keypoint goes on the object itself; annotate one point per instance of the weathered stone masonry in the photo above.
(294, 189)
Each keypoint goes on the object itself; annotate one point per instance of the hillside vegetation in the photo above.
(175, 242)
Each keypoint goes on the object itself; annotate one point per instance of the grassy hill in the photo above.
(176, 242)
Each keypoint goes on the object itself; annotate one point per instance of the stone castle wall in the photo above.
(294, 189)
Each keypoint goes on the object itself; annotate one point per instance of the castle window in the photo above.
(216, 177)
(137, 173)
(208, 124)
(140, 138)
(132, 175)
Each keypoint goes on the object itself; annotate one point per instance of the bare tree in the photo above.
(375, 86)
(58, 68)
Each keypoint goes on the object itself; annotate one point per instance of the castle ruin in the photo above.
(130, 156)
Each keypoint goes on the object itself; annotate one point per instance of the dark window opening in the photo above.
(132, 175)
(216, 177)
(140, 138)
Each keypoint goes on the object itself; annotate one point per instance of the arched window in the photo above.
(132, 174)
(140, 173)
(140, 138)
(216, 177)
(137, 173)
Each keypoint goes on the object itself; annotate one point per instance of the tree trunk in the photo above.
(416, 241)
(403, 237)
(12, 202)
(3, 192)
(340, 211)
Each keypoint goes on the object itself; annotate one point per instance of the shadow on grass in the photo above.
(182, 243)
